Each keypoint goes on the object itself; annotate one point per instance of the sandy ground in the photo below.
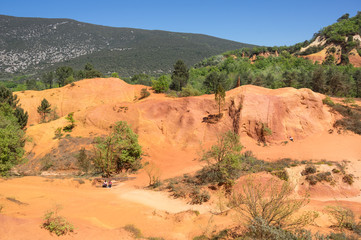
(173, 135)
(96, 213)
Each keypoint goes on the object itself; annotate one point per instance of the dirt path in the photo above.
(157, 200)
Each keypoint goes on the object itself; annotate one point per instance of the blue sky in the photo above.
(266, 22)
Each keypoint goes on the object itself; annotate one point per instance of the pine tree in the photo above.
(44, 109)
(180, 76)
(220, 96)
(22, 117)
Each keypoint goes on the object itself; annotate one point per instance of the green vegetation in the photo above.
(223, 159)
(70, 118)
(343, 218)
(10, 99)
(12, 120)
(83, 161)
(44, 109)
(161, 85)
(153, 52)
(57, 224)
(144, 93)
(118, 152)
(136, 232)
(180, 76)
(220, 97)
(351, 115)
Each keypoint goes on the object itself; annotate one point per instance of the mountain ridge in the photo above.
(31, 45)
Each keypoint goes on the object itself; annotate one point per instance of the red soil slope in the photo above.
(172, 132)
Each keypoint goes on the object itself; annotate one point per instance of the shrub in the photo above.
(260, 229)
(309, 170)
(199, 197)
(189, 91)
(56, 224)
(319, 177)
(133, 230)
(83, 162)
(161, 85)
(348, 178)
(281, 174)
(71, 120)
(144, 93)
(119, 151)
(58, 133)
(46, 163)
(328, 101)
(312, 180)
(224, 159)
(343, 217)
(271, 202)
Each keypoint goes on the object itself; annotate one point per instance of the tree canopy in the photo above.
(180, 76)
(119, 151)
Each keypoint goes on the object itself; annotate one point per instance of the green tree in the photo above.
(71, 120)
(142, 79)
(48, 79)
(161, 85)
(224, 159)
(357, 79)
(220, 96)
(119, 151)
(213, 80)
(115, 75)
(318, 80)
(180, 76)
(88, 67)
(7, 97)
(44, 109)
(343, 17)
(288, 78)
(334, 81)
(11, 139)
(22, 117)
(62, 73)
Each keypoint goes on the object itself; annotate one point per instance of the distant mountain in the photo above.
(33, 45)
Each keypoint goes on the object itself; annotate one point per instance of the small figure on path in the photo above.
(110, 184)
(291, 138)
(105, 184)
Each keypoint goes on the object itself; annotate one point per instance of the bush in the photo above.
(309, 170)
(71, 120)
(83, 162)
(144, 93)
(133, 230)
(319, 177)
(343, 217)
(328, 101)
(348, 178)
(189, 91)
(260, 229)
(271, 202)
(312, 180)
(56, 224)
(199, 197)
(58, 133)
(324, 176)
(281, 174)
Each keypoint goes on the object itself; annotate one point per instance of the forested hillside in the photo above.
(34, 45)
